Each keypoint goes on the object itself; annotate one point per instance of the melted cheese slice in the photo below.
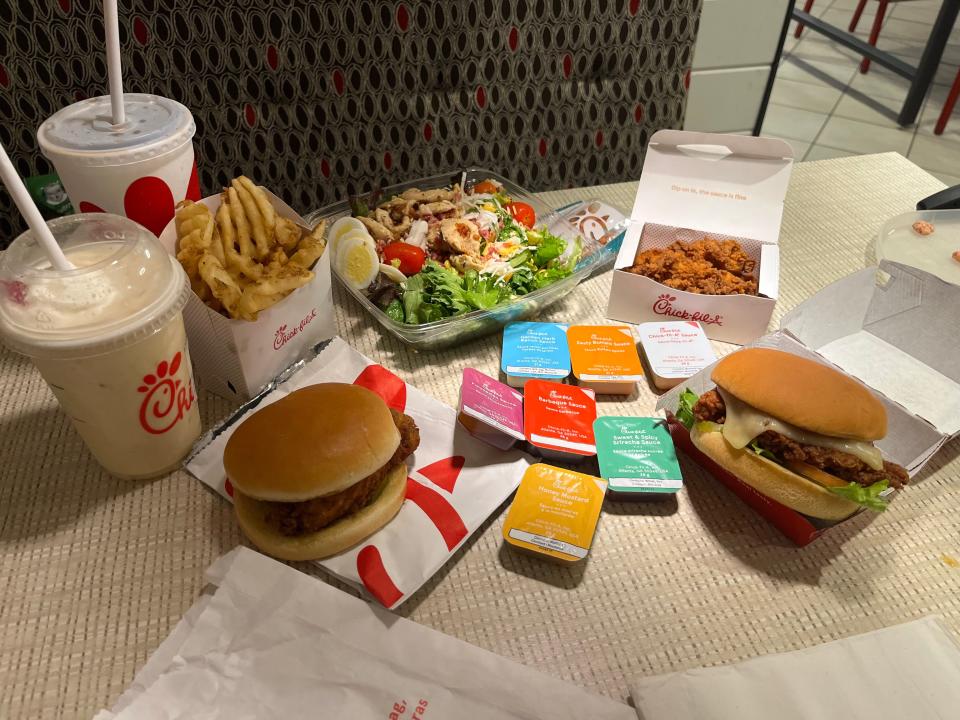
(744, 423)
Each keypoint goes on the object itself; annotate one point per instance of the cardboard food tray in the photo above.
(897, 335)
(702, 184)
(236, 358)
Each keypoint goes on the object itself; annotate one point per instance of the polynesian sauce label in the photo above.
(605, 353)
(555, 512)
(636, 455)
(560, 417)
(490, 410)
(535, 350)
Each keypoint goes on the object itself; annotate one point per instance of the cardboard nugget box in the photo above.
(697, 185)
(896, 334)
(236, 358)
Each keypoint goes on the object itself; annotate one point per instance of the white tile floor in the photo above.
(825, 107)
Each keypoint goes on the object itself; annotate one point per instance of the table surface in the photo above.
(94, 571)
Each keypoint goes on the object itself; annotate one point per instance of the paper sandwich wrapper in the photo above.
(705, 184)
(236, 358)
(454, 480)
(272, 642)
(897, 334)
(906, 671)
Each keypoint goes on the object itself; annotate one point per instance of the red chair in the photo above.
(948, 106)
(854, 21)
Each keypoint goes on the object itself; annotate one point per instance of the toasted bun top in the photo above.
(318, 440)
(802, 392)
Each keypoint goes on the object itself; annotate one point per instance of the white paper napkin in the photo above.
(455, 480)
(906, 672)
(272, 642)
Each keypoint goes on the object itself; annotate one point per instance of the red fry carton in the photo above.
(892, 334)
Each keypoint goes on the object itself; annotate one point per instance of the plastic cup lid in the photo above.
(125, 287)
(84, 131)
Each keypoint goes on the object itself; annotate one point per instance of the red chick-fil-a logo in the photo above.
(664, 306)
(166, 398)
(284, 335)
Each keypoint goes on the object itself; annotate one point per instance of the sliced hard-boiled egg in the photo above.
(392, 273)
(340, 229)
(357, 262)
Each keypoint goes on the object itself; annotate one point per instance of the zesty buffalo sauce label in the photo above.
(604, 353)
(555, 512)
(560, 417)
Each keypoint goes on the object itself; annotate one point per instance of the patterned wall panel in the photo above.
(317, 99)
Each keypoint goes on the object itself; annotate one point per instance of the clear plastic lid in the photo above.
(154, 126)
(125, 287)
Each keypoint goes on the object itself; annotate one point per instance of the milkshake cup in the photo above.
(108, 338)
(140, 168)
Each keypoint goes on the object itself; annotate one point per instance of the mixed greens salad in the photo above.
(425, 255)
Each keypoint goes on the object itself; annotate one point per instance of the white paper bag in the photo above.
(454, 483)
(272, 642)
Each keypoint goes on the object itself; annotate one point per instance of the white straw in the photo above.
(112, 30)
(31, 214)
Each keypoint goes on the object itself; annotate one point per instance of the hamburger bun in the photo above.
(318, 440)
(802, 392)
(342, 534)
(773, 480)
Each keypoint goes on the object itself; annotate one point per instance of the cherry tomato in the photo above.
(522, 213)
(486, 187)
(410, 257)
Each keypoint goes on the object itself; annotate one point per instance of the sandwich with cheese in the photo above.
(795, 430)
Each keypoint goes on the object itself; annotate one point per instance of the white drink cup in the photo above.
(139, 169)
(108, 338)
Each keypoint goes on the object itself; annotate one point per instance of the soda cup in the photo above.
(140, 168)
(108, 338)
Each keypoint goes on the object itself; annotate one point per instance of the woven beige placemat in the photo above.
(94, 572)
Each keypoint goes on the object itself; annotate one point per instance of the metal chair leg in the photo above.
(875, 32)
(948, 107)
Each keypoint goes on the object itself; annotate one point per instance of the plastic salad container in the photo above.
(449, 331)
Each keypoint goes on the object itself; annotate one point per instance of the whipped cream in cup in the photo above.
(108, 338)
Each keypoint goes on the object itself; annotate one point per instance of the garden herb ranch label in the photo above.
(637, 455)
(535, 350)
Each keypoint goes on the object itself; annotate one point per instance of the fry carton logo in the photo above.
(283, 335)
(166, 398)
(664, 306)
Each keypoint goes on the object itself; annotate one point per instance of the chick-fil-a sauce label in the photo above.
(166, 397)
(497, 409)
(560, 417)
